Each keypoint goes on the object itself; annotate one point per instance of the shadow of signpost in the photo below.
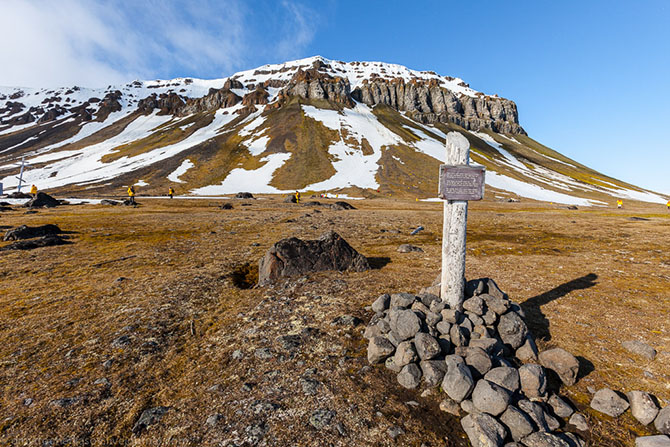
(537, 321)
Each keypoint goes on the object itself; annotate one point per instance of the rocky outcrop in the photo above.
(109, 104)
(315, 84)
(257, 97)
(26, 232)
(215, 99)
(167, 103)
(430, 103)
(293, 256)
(42, 200)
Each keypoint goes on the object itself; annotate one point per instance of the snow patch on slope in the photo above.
(181, 170)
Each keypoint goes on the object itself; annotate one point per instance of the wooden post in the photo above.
(467, 184)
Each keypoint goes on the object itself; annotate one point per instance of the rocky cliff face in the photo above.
(427, 101)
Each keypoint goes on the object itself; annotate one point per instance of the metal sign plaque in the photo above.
(461, 182)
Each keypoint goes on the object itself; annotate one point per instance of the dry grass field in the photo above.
(146, 306)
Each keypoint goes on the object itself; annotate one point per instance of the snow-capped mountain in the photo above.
(364, 128)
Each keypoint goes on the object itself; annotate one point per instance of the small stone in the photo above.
(458, 335)
(321, 418)
(394, 432)
(512, 329)
(149, 417)
(608, 402)
(490, 318)
(652, 441)
(263, 353)
(121, 341)
(347, 320)
(451, 407)
(497, 305)
(108, 363)
(102, 381)
(483, 430)
(544, 439)
(409, 248)
(382, 303)
(402, 300)
(426, 346)
(662, 421)
(379, 349)
(479, 361)
(578, 420)
(505, 377)
(468, 406)
(562, 363)
(517, 422)
(491, 345)
(533, 380)
(213, 419)
(433, 372)
(309, 386)
(432, 319)
(405, 353)
(527, 353)
(237, 355)
(535, 412)
(420, 307)
(640, 348)
(410, 376)
(27, 402)
(572, 439)
(476, 320)
(452, 316)
(458, 383)
(390, 364)
(474, 305)
(490, 398)
(443, 327)
(642, 406)
(561, 407)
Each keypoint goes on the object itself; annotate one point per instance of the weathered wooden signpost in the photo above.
(459, 182)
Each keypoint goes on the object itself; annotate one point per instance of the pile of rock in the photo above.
(483, 358)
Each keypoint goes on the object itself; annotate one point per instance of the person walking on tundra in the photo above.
(33, 191)
(619, 203)
(170, 192)
(131, 194)
(297, 197)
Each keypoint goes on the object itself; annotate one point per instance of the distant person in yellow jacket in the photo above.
(668, 205)
(619, 203)
(33, 191)
(131, 194)
(170, 192)
(297, 197)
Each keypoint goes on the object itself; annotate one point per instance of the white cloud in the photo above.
(95, 43)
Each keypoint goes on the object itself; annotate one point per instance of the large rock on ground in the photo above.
(41, 200)
(404, 323)
(662, 421)
(26, 232)
(562, 363)
(640, 348)
(608, 402)
(512, 329)
(294, 256)
(379, 349)
(458, 381)
(517, 422)
(533, 380)
(490, 398)
(642, 406)
(483, 430)
(652, 441)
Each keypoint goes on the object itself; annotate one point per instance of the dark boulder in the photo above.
(41, 200)
(342, 206)
(44, 241)
(26, 232)
(244, 195)
(293, 256)
(19, 195)
(226, 206)
(109, 202)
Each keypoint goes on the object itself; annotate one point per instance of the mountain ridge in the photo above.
(312, 124)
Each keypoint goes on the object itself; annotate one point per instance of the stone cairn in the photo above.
(484, 359)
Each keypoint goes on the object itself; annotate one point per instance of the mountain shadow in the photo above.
(537, 321)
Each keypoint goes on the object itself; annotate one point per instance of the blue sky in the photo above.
(591, 78)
